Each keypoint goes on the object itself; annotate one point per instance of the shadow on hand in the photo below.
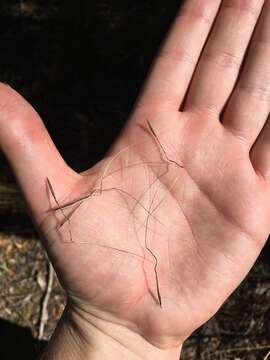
(18, 343)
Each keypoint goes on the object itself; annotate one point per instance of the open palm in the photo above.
(159, 233)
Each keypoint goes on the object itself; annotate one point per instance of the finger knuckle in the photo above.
(260, 92)
(223, 58)
(251, 7)
(199, 12)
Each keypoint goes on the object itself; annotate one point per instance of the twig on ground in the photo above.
(239, 349)
(45, 301)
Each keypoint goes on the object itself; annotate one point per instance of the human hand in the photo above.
(185, 193)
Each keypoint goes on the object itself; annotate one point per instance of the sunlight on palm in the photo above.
(158, 234)
(141, 204)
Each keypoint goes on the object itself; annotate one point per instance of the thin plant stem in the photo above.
(161, 146)
(96, 244)
(62, 211)
(99, 191)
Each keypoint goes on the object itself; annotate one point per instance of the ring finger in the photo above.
(221, 60)
(249, 106)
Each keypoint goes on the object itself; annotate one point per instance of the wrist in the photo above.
(80, 338)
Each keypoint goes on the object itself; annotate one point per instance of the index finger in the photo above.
(173, 68)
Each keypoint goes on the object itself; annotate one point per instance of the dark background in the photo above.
(81, 64)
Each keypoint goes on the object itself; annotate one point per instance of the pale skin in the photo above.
(212, 220)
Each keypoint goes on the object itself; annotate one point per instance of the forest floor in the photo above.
(240, 330)
(79, 79)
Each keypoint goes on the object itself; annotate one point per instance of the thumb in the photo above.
(31, 152)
